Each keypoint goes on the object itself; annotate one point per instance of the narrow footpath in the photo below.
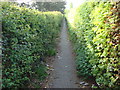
(64, 73)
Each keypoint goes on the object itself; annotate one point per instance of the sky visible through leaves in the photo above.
(75, 2)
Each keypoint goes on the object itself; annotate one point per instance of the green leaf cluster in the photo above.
(96, 37)
(28, 36)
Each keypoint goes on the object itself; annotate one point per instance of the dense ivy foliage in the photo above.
(95, 33)
(28, 36)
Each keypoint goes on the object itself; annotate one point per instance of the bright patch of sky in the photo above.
(75, 3)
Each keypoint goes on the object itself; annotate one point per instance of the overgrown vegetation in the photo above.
(95, 32)
(28, 36)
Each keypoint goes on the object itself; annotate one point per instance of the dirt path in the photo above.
(64, 73)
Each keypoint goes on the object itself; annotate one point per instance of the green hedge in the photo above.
(96, 37)
(28, 36)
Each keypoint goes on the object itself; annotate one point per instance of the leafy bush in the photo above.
(96, 30)
(28, 36)
(80, 25)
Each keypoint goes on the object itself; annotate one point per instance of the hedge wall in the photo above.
(28, 36)
(95, 32)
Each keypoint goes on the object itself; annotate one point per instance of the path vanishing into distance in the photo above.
(64, 74)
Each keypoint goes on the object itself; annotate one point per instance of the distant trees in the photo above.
(58, 5)
(50, 6)
(71, 5)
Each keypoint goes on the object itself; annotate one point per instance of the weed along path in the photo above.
(64, 73)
